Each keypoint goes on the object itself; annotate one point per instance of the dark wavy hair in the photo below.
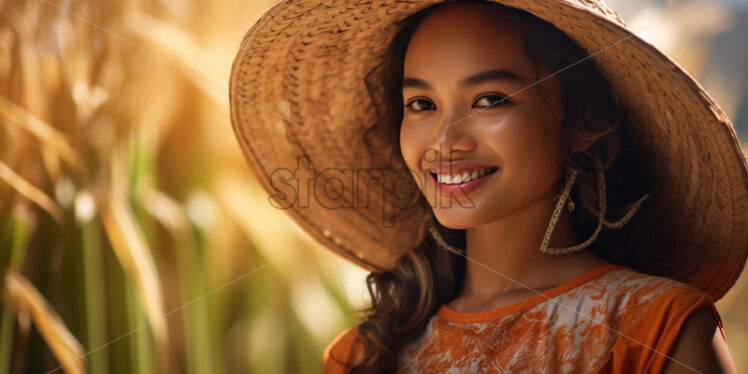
(405, 298)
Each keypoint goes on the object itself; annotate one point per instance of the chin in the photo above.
(458, 218)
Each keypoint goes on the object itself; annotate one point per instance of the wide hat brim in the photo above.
(299, 101)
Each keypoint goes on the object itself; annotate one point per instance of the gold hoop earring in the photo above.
(569, 203)
(600, 213)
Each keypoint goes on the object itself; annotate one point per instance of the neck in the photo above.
(508, 250)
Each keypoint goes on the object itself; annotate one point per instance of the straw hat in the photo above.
(302, 65)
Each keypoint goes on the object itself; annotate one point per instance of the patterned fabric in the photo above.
(610, 319)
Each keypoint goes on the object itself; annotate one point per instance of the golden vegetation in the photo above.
(134, 238)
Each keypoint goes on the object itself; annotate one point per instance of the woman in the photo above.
(521, 151)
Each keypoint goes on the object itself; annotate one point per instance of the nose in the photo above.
(453, 135)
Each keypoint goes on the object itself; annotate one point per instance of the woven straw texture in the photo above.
(297, 89)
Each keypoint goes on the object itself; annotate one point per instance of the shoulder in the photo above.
(659, 306)
(627, 282)
(340, 352)
(632, 296)
(701, 345)
(624, 295)
(667, 317)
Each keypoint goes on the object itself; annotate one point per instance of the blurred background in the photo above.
(130, 227)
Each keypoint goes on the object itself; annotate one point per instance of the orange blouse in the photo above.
(611, 319)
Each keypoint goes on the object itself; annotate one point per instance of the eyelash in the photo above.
(502, 100)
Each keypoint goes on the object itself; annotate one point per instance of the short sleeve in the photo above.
(644, 347)
(341, 351)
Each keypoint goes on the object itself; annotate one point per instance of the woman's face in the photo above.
(460, 61)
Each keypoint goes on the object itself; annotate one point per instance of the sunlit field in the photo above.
(133, 238)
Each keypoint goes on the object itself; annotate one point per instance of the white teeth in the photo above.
(461, 178)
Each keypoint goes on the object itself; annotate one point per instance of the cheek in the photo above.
(530, 144)
(411, 145)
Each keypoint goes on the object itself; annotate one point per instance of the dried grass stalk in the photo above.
(32, 193)
(51, 137)
(131, 249)
(24, 298)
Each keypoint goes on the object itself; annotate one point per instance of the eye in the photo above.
(421, 105)
(491, 101)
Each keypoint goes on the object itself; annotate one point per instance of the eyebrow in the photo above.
(488, 75)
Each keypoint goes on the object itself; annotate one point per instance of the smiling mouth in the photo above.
(463, 177)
